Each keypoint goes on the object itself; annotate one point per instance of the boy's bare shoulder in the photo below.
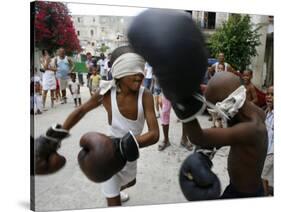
(106, 98)
(147, 94)
(258, 122)
(251, 86)
(147, 97)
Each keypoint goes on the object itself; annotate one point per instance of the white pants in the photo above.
(267, 172)
(111, 188)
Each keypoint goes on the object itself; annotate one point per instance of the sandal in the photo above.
(163, 146)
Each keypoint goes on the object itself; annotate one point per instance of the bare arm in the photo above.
(152, 136)
(71, 64)
(47, 66)
(90, 84)
(46, 62)
(253, 94)
(242, 133)
(77, 114)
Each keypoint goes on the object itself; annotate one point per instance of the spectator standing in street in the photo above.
(101, 66)
(148, 76)
(48, 78)
(90, 62)
(267, 174)
(250, 88)
(94, 80)
(107, 67)
(156, 94)
(74, 88)
(165, 121)
(36, 93)
(64, 67)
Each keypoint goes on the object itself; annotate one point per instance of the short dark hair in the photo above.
(72, 74)
(47, 50)
(93, 66)
(249, 70)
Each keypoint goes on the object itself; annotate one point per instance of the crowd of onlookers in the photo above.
(58, 75)
(264, 100)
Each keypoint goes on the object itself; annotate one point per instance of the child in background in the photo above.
(74, 88)
(94, 80)
(251, 91)
(267, 173)
(157, 97)
(37, 97)
(220, 67)
(38, 101)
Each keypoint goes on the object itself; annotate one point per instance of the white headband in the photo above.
(230, 106)
(125, 65)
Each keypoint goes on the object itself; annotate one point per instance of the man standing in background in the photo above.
(64, 67)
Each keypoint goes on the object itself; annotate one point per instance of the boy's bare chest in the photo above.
(248, 92)
(128, 107)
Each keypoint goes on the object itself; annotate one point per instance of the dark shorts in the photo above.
(230, 192)
(147, 83)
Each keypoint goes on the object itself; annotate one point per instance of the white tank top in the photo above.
(120, 125)
(65, 59)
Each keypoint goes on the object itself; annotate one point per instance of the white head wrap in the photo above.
(125, 65)
(230, 106)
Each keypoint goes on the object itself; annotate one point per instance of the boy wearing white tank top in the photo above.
(128, 106)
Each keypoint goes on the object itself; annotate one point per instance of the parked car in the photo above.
(211, 61)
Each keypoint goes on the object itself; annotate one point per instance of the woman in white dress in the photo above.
(49, 78)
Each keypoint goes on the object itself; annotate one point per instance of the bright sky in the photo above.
(92, 9)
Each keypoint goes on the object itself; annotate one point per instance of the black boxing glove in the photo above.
(46, 146)
(189, 108)
(50, 142)
(176, 50)
(197, 181)
(127, 146)
(102, 156)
